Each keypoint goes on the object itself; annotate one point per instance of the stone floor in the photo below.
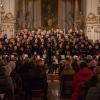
(53, 90)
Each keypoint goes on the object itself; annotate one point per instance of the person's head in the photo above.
(89, 58)
(96, 47)
(98, 61)
(15, 47)
(20, 58)
(6, 58)
(92, 63)
(68, 60)
(82, 45)
(13, 58)
(75, 58)
(1, 61)
(90, 46)
(62, 62)
(83, 64)
(40, 62)
(97, 68)
(98, 78)
(25, 58)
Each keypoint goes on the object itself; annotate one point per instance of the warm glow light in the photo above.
(1, 5)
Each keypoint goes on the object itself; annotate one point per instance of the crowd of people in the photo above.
(86, 77)
(49, 44)
(26, 58)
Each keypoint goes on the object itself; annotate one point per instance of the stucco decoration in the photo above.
(9, 18)
(92, 18)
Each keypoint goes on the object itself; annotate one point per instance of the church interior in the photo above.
(49, 49)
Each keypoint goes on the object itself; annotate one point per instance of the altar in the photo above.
(44, 13)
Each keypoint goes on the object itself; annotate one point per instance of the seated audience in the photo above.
(93, 81)
(66, 78)
(75, 63)
(52, 47)
(79, 80)
(94, 92)
(68, 70)
(39, 81)
(6, 81)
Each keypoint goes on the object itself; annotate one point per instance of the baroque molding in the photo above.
(9, 18)
(91, 18)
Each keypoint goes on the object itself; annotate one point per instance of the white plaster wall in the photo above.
(91, 7)
(9, 6)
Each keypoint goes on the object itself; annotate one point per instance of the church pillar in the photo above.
(61, 13)
(0, 15)
(26, 13)
(8, 20)
(9, 6)
(92, 20)
(83, 6)
(69, 13)
(23, 14)
(76, 12)
(37, 13)
(30, 15)
(91, 6)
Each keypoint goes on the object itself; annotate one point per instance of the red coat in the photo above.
(79, 79)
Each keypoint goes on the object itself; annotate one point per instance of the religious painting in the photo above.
(49, 13)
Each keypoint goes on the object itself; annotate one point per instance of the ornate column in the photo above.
(91, 6)
(30, 14)
(0, 12)
(61, 13)
(69, 15)
(67, 10)
(37, 13)
(92, 20)
(23, 14)
(8, 20)
(76, 12)
(26, 13)
(1, 9)
(83, 6)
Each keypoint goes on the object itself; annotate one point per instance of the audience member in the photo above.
(55, 48)
(79, 80)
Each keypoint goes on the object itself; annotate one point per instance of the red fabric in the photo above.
(79, 79)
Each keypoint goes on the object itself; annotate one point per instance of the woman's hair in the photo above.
(98, 63)
(75, 65)
(1, 63)
(98, 78)
(39, 64)
(83, 65)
